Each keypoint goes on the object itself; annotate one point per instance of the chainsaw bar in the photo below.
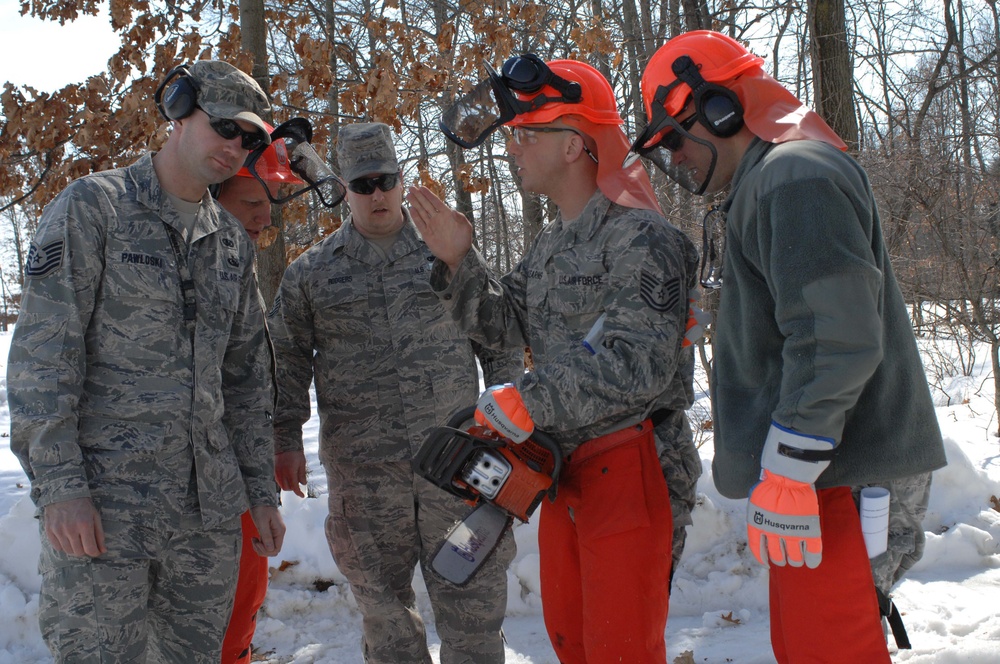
(470, 542)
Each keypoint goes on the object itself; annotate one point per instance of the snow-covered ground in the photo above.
(718, 610)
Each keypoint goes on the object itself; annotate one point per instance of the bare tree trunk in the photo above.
(832, 70)
(995, 363)
(270, 260)
(531, 206)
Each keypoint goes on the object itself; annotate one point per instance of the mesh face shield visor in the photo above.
(663, 136)
(304, 171)
(492, 102)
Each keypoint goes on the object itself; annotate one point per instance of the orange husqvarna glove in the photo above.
(500, 408)
(783, 511)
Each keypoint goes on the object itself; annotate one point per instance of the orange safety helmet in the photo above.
(721, 66)
(530, 91)
(596, 102)
(291, 161)
(272, 164)
(595, 114)
(718, 58)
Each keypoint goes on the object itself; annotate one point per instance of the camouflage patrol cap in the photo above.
(365, 148)
(226, 92)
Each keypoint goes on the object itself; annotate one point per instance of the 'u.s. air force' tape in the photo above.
(43, 260)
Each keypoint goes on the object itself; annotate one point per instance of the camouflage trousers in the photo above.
(681, 465)
(908, 498)
(161, 594)
(383, 521)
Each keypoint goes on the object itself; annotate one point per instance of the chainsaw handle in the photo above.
(540, 437)
(460, 417)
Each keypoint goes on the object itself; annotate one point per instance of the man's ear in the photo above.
(574, 148)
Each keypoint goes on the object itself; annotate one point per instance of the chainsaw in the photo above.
(501, 479)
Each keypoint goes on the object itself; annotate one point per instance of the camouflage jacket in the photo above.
(389, 362)
(627, 264)
(106, 377)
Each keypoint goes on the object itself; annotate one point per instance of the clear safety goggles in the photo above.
(312, 172)
(493, 102)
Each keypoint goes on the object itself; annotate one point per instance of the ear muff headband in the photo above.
(179, 100)
(718, 108)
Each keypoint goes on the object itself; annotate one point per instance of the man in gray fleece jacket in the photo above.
(817, 385)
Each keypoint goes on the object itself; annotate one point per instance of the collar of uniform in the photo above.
(147, 185)
(151, 195)
(587, 224)
(755, 152)
(348, 238)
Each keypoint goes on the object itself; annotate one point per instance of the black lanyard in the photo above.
(187, 282)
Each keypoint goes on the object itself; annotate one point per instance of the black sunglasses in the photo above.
(229, 129)
(366, 186)
(673, 140)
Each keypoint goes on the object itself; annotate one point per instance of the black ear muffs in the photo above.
(178, 99)
(718, 108)
(529, 73)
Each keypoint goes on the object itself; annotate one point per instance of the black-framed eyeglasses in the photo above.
(713, 244)
(366, 186)
(230, 129)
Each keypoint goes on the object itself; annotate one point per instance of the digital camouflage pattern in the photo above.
(378, 328)
(107, 384)
(626, 263)
(226, 92)
(163, 423)
(389, 365)
(908, 499)
(196, 577)
(377, 538)
(630, 265)
(364, 148)
(681, 466)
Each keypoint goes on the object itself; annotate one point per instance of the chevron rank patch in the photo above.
(275, 307)
(44, 260)
(658, 294)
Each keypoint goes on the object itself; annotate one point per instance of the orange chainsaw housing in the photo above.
(530, 476)
(479, 465)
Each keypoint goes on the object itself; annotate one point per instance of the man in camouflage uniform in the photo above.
(356, 312)
(139, 392)
(610, 271)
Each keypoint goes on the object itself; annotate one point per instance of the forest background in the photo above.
(913, 87)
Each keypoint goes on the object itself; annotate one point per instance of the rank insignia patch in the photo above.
(44, 260)
(659, 295)
(275, 307)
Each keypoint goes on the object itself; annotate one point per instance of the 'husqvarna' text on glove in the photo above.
(500, 408)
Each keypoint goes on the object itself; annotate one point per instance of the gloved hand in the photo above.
(783, 511)
(500, 408)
